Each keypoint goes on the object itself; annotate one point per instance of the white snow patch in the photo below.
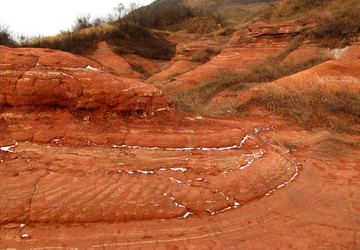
(201, 179)
(179, 169)
(252, 160)
(180, 182)
(185, 215)
(7, 148)
(145, 172)
(339, 52)
(91, 68)
(244, 139)
(287, 182)
(225, 209)
(24, 236)
(67, 75)
(22, 225)
(172, 198)
(210, 212)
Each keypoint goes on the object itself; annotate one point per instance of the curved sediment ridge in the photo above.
(94, 182)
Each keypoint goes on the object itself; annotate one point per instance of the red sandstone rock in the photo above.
(115, 63)
(243, 50)
(277, 28)
(183, 60)
(331, 75)
(70, 81)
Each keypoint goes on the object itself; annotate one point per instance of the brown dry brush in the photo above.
(338, 110)
(271, 69)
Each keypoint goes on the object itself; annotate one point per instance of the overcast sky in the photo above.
(48, 17)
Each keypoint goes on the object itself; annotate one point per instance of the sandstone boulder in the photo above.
(43, 77)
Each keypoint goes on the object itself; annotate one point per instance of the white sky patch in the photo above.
(46, 18)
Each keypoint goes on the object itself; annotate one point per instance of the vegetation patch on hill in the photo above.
(270, 69)
(338, 110)
(122, 36)
(337, 22)
(5, 37)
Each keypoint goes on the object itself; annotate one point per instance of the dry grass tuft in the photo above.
(338, 21)
(338, 110)
(204, 55)
(338, 29)
(271, 69)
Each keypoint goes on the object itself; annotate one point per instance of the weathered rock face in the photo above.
(90, 138)
(42, 77)
(247, 47)
(275, 29)
(114, 63)
(183, 61)
(164, 166)
(92, 160)
(199, 188)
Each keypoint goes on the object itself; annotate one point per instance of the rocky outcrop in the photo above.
(183, 61)
(165, 165)
(114, 63)
(275, 29)
(247, 47)
(43, 77)
(200, 188)
(104, 148)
